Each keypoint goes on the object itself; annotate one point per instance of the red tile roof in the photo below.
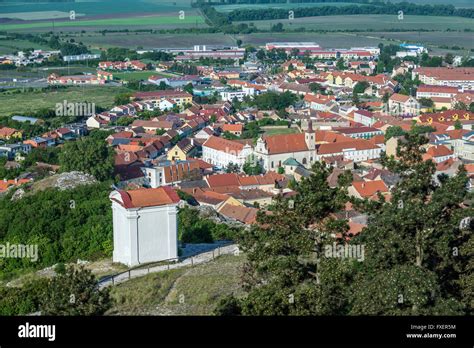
(221, 144)
(400, 98)
(285, 143)
(439, 151)
(334, 148)
(232, 127)
(239, 213)
(147, 197)
(230, 179)
(369, 188)
(449, 116)
(4, 185)
(448, 74)
(7, 132)
(436, 89)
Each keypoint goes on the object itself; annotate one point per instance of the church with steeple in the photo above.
(273, 150)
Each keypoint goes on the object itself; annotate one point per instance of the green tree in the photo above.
(286, 273)
(360, 87)
(232, 168)
(122, 99)
(75, 293)
(230, 136)
(449, 58)
(160, 131)
(316, 87)
(460, 106)
(426, 102)
(412, 241)
(189, 88)
(340, 64)
(192, 228)
(88, 155)
(261, 54)
(277, 28)
(457, 124)
(251, 166)
(355, 99)
(394, 131)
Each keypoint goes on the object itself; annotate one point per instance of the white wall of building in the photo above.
(143, 235)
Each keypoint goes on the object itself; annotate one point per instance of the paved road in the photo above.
(204, 257)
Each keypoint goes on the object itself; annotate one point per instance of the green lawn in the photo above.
(25, 103)
(276, 131)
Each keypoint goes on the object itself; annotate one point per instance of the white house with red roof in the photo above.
(438, 153)
(145, 225)
(221, 152)
(364, 117)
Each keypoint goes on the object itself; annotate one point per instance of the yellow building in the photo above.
(181, 150)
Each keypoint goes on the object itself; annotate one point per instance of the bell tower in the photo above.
(310, 136)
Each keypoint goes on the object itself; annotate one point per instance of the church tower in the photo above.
(310, 136)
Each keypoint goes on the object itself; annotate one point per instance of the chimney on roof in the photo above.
(16, 181)
(363, 184)
(5, 180)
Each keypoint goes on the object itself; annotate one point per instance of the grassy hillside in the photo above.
(186, 291)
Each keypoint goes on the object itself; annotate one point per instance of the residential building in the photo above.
(400, 105)
(180, 97)
(171, 173)
(438, 153)
(440, 76)
(220, 152)
(359, 132)
(235, 129)
(183, 149)
(364, 117)
(8, 133)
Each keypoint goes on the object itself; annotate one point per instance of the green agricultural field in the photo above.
(27, 72)
(28, 102)
(148, 40)
(10, 46)
(41, 15)
(146, 21)
(445, 38)
(96, 8)
(370, 22)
